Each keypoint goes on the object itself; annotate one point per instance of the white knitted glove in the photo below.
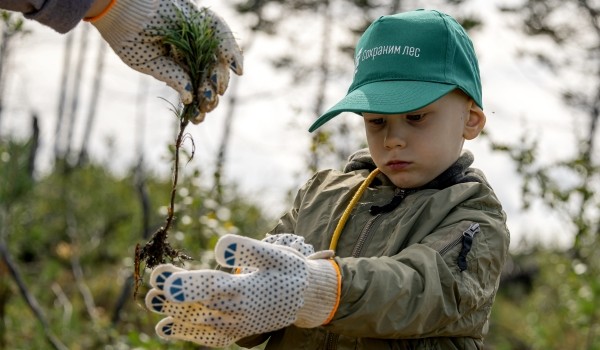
(214, 308)
(290, 240)
(131, 28)
(295, 242)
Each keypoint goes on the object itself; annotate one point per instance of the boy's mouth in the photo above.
(397, 164)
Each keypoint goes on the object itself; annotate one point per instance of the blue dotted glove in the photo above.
(130, 28)
(214, 308)
(290, 240)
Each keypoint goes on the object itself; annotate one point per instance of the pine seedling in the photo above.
(191, 42)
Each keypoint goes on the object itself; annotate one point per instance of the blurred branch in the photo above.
(11, 26)
(122, 300)
(76, 92)
(23, 183)
(142, 190)
(322, 80)
(88, 299)
(35, 141)
(93, 106)
(64, 91)
(86, 294)
(29, 298)
(64, 301)
(222, 152)
(234, 100)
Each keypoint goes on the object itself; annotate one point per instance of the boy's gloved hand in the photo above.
(214, 308)
(290, 240)
(130, 28)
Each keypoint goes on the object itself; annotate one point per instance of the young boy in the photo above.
(410, 240)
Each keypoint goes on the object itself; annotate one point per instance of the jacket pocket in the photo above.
(465, 238)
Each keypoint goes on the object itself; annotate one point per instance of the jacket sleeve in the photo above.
(422, 292)
(60, 15)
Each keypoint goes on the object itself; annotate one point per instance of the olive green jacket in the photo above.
(418, 272)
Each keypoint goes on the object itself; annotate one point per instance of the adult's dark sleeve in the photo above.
(60, 15)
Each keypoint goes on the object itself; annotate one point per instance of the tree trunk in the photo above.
(93, 106)
(76, 92)
(232, 98)
(322, 83)
(62, 99)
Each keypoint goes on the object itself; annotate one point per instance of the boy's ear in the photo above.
(474, 122)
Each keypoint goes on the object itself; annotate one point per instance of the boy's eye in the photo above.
(415, 117)
(376, 121)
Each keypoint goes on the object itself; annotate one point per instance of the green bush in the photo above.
(72, 235)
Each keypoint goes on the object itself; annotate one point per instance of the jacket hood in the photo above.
(360, 160)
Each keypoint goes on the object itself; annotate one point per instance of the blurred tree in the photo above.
(70, 98)
(93, 105)
(71, 236)
(17, 182)
(11, 28)
(569, 186)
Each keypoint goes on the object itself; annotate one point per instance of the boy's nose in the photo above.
(394, 137)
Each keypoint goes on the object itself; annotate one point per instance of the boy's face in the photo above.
(414, 148)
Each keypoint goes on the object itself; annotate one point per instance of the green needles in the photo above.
(193, 44)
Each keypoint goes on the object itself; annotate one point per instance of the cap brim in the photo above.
(386, 97)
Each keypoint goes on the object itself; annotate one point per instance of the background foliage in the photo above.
(67, 235)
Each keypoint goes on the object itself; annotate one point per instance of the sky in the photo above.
(267, 154)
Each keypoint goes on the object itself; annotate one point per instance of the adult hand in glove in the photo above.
(132, 27)
(214, 308)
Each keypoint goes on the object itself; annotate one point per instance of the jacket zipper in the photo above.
(332, 339)
(366, 232)
(466, 238)
(364, 235)
(471, 231)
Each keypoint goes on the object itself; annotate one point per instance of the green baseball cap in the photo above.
(406, 61)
